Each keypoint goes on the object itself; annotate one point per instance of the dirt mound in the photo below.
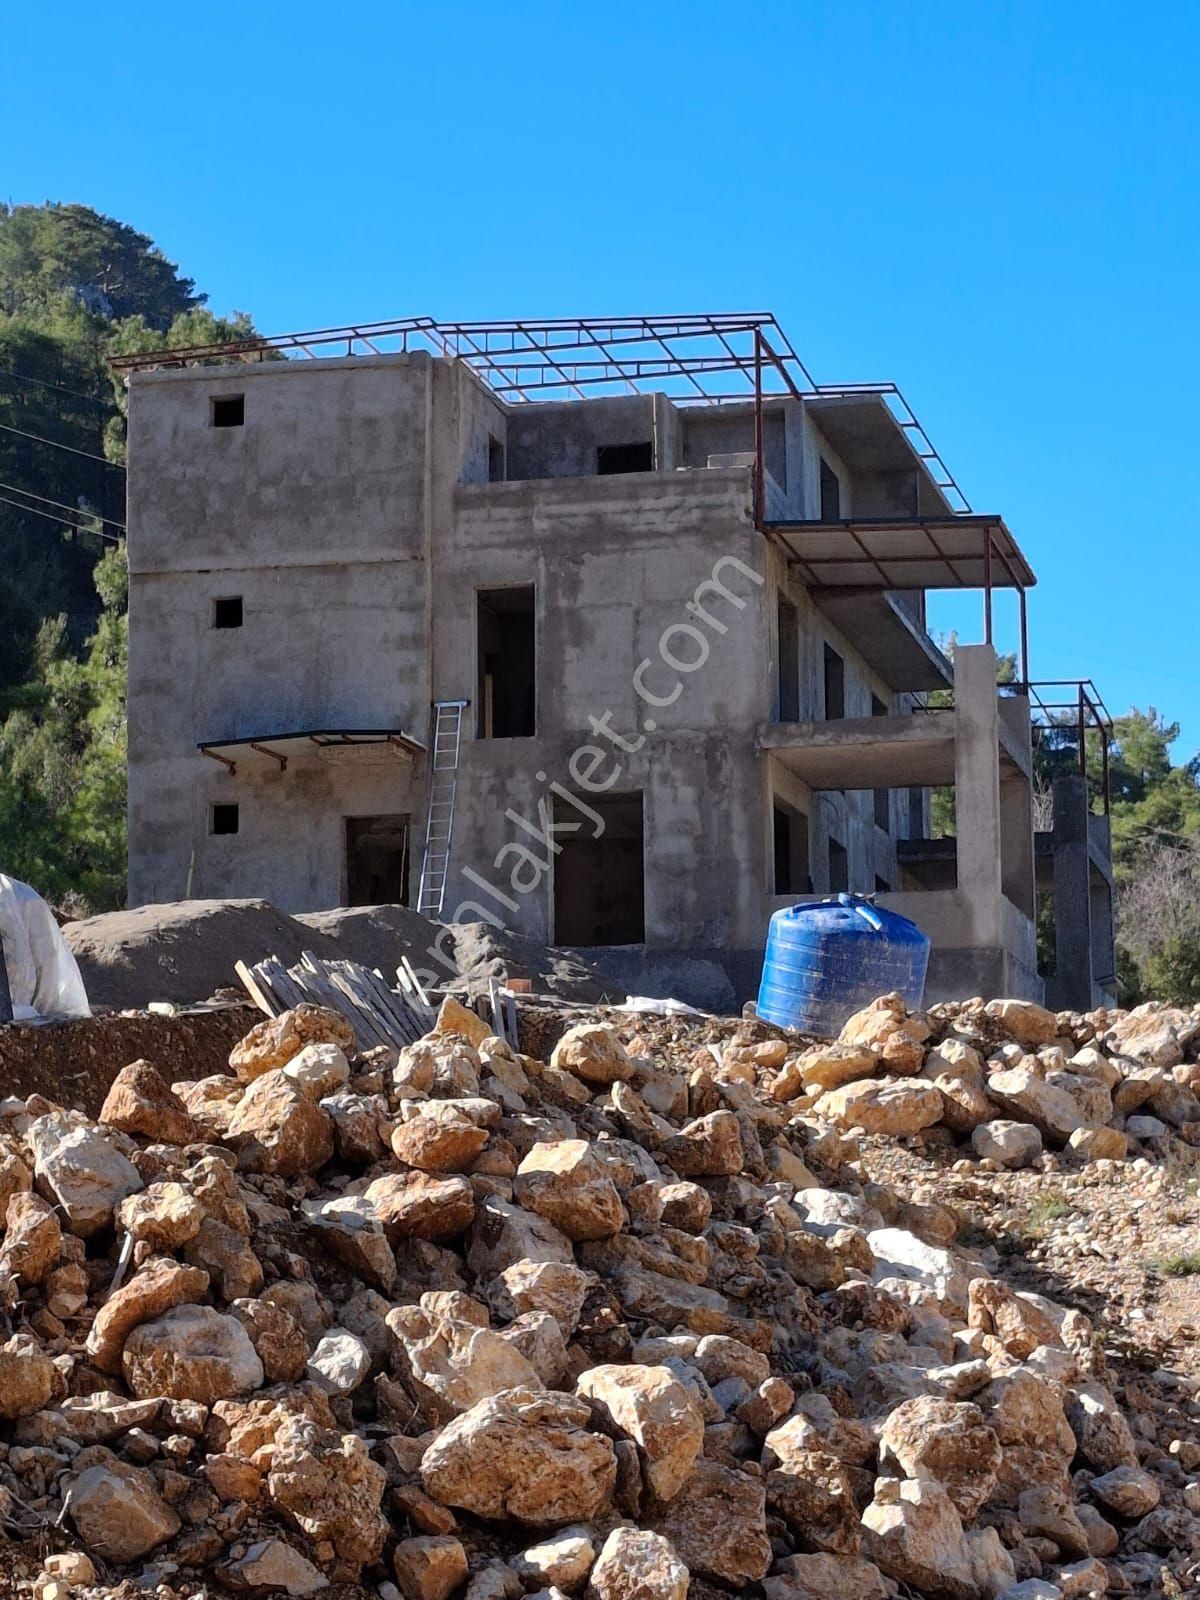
(482, 952)
(184, 951)
(376, 936)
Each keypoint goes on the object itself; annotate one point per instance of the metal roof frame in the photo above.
(320, 738)
(698, 358)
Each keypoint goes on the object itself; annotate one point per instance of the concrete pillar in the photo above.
(977, 790)
(1072, 894)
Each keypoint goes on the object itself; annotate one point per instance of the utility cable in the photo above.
(79, 511)
(55, 445)
(62, 521)
(60, 388)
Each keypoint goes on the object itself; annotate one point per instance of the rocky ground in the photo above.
(671, 1307)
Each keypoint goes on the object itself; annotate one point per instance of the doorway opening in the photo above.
(599, 878)
(377, 856)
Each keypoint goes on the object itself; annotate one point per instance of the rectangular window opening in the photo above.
(377, 860)
(599, 873)
(614, 458)
(223, 818)
(831, 494)
(835, 686)
(839, 868)
(496, 464)
(792, 873)
(229, 411)
(506, 655)
(227, 611)
(788, 628)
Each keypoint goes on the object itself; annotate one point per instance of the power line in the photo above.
(55, 445)
(60, 388)
(79, 511)
(62, 521)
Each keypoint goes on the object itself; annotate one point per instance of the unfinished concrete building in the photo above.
(609, 632)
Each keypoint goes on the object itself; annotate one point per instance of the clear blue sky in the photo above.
(993, 204)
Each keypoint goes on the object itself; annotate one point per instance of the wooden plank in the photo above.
(257, 992)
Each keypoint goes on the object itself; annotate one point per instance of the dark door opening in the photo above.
(377, 852)
(881, 802)
(839, 868)
(792, 874)
(496, 472)
(835, 686)
(613, 458)
(599, 882)
(831, 494)
(788, 628)
(505, 647)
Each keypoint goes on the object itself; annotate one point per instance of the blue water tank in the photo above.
(826, 959)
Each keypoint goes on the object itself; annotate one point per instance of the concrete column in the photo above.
(1072, 894)
(977, 790)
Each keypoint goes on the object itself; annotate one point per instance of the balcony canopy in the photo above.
(282, 747)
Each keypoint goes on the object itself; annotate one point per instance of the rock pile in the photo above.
(1008, 1077)
(467, 1324)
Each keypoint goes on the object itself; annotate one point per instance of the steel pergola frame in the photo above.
(698, 358)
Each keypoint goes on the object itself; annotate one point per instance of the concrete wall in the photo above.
(314, 513)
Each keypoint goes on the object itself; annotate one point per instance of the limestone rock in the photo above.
(436, 1136)
(276, 1128)
(278, 1339)
(946, 1440)
(1129, 1491)
(563, 1560)
(914, 1534)
(29, 1380)
(649, 1405)
(594, 1054)
(234, 1271)
(898, 1106)
(80, 1170)
(1029, 1024)
(503, 1234)
(556, 1287)
(1046, 1511)
(318, 1070)
(1030, 1097)
(1008, 1144)
(685, 1206)
(717, 1524)
(638, 1564)
(1154, 1034)
(157, 1287)
(457, 1360)
(1020, 1324)
(416, 1205)
(825, 1577)
(271, 1567)
(140, 1100)
(523, 1454)
(829, 1066)
(815, 1497)
(118, 1511)
(1099, 1144)
(273, 1042)
(709, 1147)
(328, 1486)
(32, 1238)
(340, 1362)
(191, 1353)
(565, 1182)
(1101, 1432)
(164, 1216)
(430, 1567)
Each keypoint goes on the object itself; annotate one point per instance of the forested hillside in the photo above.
(75, 287)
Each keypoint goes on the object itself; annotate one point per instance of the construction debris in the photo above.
(449, 1322)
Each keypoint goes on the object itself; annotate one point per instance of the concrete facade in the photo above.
(364, 511)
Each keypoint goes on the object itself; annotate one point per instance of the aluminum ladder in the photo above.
(439, 822)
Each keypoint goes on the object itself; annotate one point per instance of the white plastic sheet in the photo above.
(43, 977)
